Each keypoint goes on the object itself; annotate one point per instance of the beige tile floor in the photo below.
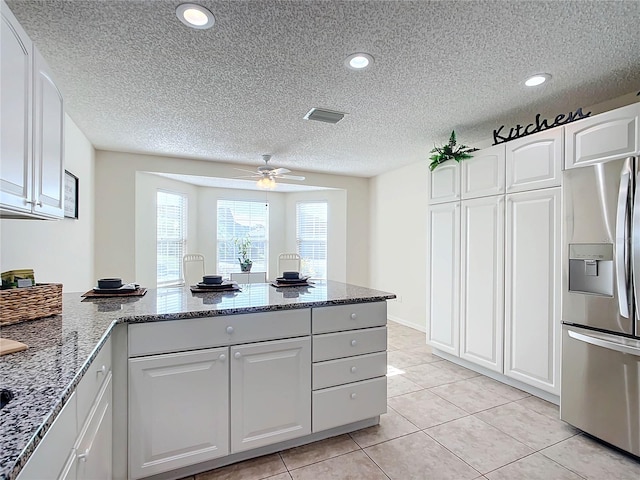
(446, 422)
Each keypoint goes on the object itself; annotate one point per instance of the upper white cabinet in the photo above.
(532, 288)
(444, 277)
(444, 183)
(484, 174)
(482, 281)
(603, 137)
(535, 161)
(32, 128)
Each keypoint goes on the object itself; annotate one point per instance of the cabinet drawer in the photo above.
(346, 344)
(347, 370)
(348, 317)
(92, 380)
(349, 403)
(196, 333)
(49, 458)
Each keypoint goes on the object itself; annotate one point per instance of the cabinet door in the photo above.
(482, 282)
(270, 392)
(15, 114)
(178, 410)
(48, 141)
(94, 458)
(444, 183)
(483, 175)
(535, 161)
(607, 136)
(444, 277)
(532, 303)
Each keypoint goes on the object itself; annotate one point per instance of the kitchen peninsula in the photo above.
(314, 357)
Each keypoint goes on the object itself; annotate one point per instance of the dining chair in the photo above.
(288, 262)
(192, 268)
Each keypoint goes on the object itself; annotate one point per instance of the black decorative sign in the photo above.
(537, 126)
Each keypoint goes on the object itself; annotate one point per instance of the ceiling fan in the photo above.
(267, 175)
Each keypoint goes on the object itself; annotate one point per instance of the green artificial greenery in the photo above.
(449, 151)
(244, 248)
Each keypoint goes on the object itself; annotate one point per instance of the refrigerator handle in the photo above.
(621, 238)
(605, 343)
(635, 247)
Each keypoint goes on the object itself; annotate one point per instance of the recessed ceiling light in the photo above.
(195, 16)
(358, 61)
(537, 79)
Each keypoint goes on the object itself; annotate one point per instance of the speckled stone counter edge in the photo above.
(40, 433)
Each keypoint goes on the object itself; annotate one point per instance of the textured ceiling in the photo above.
(136, 79)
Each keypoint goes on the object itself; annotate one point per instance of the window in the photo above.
(171, 237)
(242, 219)
(311, 238)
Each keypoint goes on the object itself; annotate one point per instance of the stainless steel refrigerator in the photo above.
(600, 384)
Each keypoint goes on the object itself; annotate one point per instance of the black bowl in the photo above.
(290, 275)
(212, 279)
(110, 283)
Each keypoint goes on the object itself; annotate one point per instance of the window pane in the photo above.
(311, 238)
(238, 219)
(171, 237)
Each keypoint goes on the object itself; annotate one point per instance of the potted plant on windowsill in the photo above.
(450, 151)
(244, 248)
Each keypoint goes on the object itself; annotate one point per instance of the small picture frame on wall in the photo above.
(70, 195)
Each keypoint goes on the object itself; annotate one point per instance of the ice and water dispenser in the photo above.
(591, 268)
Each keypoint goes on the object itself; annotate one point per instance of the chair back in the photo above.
(192, 268)
(288, 262)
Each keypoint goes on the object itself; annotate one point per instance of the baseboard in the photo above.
(407, 323)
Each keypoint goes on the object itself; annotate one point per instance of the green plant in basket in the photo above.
(450, 151)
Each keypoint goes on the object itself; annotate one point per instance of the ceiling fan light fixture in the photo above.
(195, 16)
(359, 61)
(266, 183)
(537, 79)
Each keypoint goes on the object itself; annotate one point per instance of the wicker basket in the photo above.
(21, 304)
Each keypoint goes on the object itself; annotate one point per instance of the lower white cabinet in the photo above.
(178, 410)
(270, 392)
(482, 282)
(532, 274)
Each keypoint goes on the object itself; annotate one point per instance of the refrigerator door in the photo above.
(596, 255)
(600, 389)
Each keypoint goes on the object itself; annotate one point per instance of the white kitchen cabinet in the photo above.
(31, 128)
(444, 277)
(482, 281)
(532, 281)
(603, 137)
(444, 183)
(270, 392)
(484, 174)
(178, 410)
(535, 161)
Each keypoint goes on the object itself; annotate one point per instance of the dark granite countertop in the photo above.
(62, 347)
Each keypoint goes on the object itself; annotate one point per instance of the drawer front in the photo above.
(196, 333)
(348, 370)
(349, 317)
(347, 344)
(349, 403)
(92, 380)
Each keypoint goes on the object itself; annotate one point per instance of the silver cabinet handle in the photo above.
(229, 330)
(604, 343)
(353, 369)
(83, 456)
(621, 238)
(353, 396)
(29, 202)
(353, 343)
(39, 204)
(222, 357)
(237, 354)
(102, 370)
(353, 316)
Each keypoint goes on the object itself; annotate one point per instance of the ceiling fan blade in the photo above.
(247, 171)
(291, 177)
(249, 176)
(280, 171)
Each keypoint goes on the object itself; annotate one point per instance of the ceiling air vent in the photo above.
(327, 116)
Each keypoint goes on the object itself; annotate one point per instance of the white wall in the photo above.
(399, 208)
(59, 251)
(116, 207)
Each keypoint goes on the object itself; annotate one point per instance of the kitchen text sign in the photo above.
(537, 126)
